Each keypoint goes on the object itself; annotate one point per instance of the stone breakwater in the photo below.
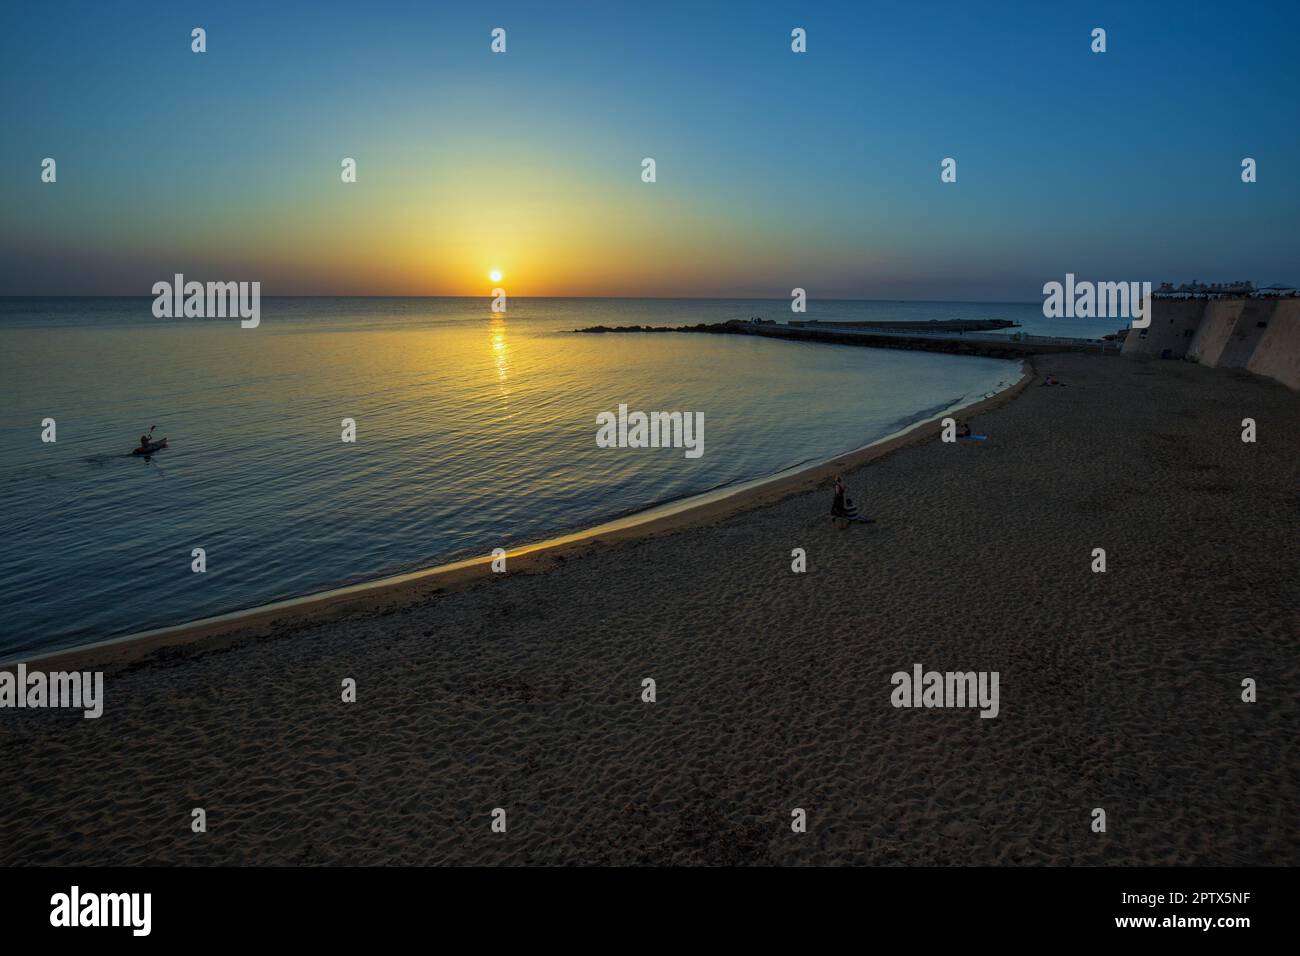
(955, 344)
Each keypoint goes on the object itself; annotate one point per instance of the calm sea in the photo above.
(474, 430)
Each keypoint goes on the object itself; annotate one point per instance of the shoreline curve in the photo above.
(423, 584)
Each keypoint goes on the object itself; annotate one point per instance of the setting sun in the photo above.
(495, 275)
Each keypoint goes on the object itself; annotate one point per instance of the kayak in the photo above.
(153, 447)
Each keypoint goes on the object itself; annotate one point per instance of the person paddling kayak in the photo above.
(147, 444)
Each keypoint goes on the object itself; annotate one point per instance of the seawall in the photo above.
(1173, 324)
(1261, 335)
(1278, 353)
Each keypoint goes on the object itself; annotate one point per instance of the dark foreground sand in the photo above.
(1118, 690)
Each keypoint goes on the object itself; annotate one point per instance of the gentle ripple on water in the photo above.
(474, 430)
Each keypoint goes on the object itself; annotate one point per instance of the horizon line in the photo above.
(665, 298)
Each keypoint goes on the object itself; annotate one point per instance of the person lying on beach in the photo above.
(963, 430)
(1051, 380)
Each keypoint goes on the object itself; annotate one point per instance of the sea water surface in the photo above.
(474, 430)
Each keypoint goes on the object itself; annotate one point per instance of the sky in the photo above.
(774, 169)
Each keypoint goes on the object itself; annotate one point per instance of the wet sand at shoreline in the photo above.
(1119, 690)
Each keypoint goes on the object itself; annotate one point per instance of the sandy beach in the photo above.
(522, 691)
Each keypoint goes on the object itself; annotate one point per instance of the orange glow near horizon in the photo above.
(553, 226)
(548, 228)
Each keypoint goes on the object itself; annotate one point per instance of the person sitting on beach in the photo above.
(843, 507)
(839, 509)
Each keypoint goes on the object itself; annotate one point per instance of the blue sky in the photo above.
(774, 169)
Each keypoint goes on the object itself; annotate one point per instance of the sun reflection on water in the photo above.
(501, 358)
